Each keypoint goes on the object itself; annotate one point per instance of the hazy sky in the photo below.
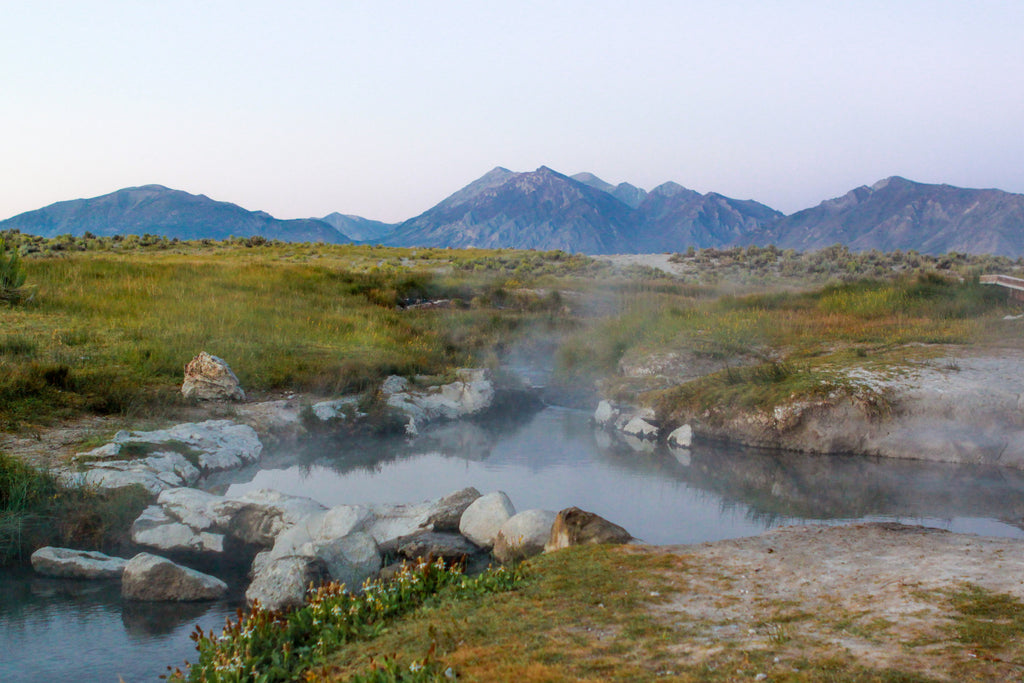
(384, 108)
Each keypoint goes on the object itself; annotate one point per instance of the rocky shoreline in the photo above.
(957, 409)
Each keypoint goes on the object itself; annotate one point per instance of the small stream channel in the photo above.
(53, 630)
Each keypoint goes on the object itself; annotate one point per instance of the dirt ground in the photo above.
(877, 593)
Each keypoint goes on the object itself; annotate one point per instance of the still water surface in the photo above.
(59, 630)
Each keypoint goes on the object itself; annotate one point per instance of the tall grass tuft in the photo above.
(35, 511)
(12, 274)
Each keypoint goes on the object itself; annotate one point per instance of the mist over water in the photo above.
(554, 459)
(550, 458)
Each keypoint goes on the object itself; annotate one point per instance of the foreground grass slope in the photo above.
(602, 613)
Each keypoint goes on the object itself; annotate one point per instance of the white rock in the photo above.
(523, 535)
(343, 520)
(605, 413)
(681, 436)
(148, 577)
(329, 410)
(197, 509)
(282, 583)
(76, 564)
(393, 385)
(472, 393)
(220, 444)
(209, 378)
(394, 521)
(484, 516)
(350, 559)
(155, 473)
(640, 428)
(105, 452)
(155, 528)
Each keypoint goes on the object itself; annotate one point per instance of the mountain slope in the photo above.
(159, 210)
(897, 213)
(358, 228)
(629, 195)
(673, 218)
(542, 209)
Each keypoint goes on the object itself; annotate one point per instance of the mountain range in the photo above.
(544, 209)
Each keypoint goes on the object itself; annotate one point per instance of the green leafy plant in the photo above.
(267, 645)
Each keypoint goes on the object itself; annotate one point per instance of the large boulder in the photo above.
(523, 535)
(152, 578)
(208, 378)
(76, 564)
(484, 516)
(351, 559)
(450, 508)
(282, 583)
(574, 526)
(264, 513)
(186, 519)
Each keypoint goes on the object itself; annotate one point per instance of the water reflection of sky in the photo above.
(553, 461)
(64, 630)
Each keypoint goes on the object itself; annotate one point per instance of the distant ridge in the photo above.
(358, 228)
(896, 213)
(159, 210)
(544, 209)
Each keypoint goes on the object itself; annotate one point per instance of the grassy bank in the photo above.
(109, 325)
(759, 350)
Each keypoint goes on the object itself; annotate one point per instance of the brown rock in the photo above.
(209, 378)
(578, 527)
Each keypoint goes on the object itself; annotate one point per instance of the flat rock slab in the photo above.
(77, 564)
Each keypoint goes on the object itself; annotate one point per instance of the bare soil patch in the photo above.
(880, 595)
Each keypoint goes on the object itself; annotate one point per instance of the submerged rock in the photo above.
(574, 526)
(153, 578)
(76, 564)
(208, 378)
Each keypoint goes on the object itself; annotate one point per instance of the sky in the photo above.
(382, 109)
